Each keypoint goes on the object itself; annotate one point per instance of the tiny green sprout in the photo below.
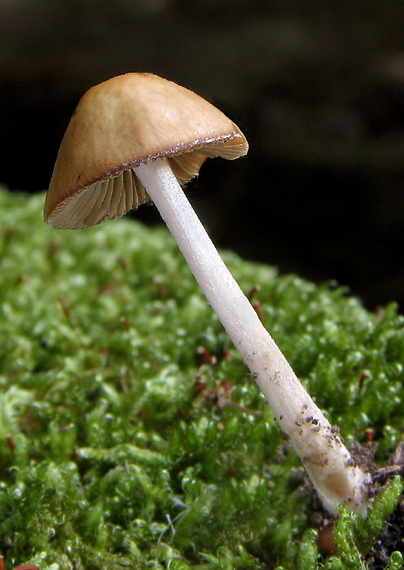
(308, 551)
(396, 561)
(354, 536)
(383, 506)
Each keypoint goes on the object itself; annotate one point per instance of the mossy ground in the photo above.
(131, 433)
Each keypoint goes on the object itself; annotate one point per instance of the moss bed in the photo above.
(131, 433)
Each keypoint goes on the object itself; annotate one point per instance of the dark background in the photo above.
(317, 87)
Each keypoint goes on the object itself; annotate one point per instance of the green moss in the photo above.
(119, 448)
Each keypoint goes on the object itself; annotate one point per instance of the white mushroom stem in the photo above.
(318, 444)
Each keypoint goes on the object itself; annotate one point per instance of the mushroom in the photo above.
(136, 138)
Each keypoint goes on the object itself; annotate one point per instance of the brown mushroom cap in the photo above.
(120, 123)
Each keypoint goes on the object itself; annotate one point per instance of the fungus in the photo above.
(136, 138)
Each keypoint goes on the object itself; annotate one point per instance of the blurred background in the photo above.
(317, 87)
